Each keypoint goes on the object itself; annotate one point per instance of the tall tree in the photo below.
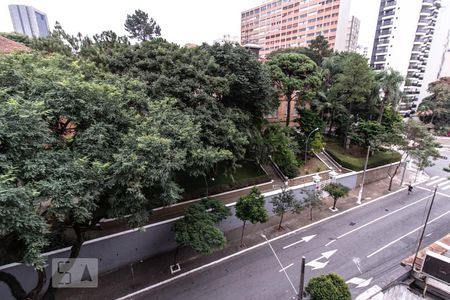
(294, 75)
(319, 49)
(352, 87)
(389, 82)
(251, 208)
(435, 109)
(285, 202)
(139, 26)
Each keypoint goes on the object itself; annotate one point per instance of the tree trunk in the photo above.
(392, 177)
(16, 288)
(380, 117)
(281, 221)
(34, 294)
(288, 111)
(242, 234)
(334, 203)
(331, 122)
(76, 247)
(310, 212)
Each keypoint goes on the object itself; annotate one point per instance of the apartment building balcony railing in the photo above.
(389, 4)
(388, 13)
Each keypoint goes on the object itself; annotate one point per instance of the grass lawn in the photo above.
(355, 157)
(247, 175)
(313, 165)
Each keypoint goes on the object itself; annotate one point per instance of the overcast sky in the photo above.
(181, 21)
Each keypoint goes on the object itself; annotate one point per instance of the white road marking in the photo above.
(356, 261)
(304, 239)
(445, 188)
(359, 282)
(438, 193)
(405, 235)
(433, 178)
(369, 293)
(435, 181)
(158, 284)
(316, 264)
(427, 235)
(445, 246)
(443, 183)
(330, 242)
(382, 217)
(285, 268)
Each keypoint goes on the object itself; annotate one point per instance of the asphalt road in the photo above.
(364, 245)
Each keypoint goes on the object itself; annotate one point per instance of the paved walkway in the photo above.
(156, 269)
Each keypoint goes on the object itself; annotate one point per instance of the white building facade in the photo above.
(29, 21)
(403, 41)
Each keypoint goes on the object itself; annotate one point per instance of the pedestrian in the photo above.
(410, 189)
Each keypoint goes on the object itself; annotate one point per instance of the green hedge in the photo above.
(379, 158)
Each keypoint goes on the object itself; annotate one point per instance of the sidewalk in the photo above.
(156, 269)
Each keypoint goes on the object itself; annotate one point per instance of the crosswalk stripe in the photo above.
(434, 177)
(446, 188)
(436, 181)
(443, 183)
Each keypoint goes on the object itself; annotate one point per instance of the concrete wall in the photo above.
(123, 248)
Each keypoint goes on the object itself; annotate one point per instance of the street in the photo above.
(364, 245)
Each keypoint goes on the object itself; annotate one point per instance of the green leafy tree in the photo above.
(336, 191)
(312, 200)
(251, 208)
(435, 109)
(421, 145)
(389, 82)
(281, 146)
(285, 202)
(249, 81)
(198, 228)
(294, 75)
(328, 287)
(351, 88)
(139, 26)
(366, 133)
(319, 49)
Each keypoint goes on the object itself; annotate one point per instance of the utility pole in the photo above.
(363, 178)
(424, 228)
(302, 279)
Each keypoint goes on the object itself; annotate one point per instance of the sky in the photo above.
(181, 21)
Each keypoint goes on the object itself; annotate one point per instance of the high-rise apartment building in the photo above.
(29, 21)
(279, 24)
(351, 42)
(403, 40)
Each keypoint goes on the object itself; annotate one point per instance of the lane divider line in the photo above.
(158, 284)
(405, 235)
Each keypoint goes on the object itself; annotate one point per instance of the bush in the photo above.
(328, 287)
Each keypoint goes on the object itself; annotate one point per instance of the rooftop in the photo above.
(9, 46)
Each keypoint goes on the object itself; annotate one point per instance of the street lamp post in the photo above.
(363, 178)
(306, 144)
